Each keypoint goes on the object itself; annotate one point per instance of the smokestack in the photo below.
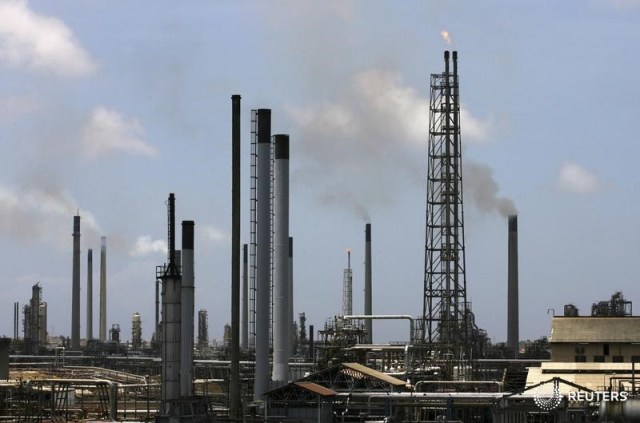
(171, 318)
(367, 284)
(312, 353)
(513, 336)
(75, 292)
(290, 314)
(103, 289)
(245, 296)
(90, 294)
(187, 309)
(263, 253)
(347, 288)
(234, 387)
(281, 322)
(16, 319)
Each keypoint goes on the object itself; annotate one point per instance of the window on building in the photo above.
(605, 349)
(635, 358)
(598, 358)
(581, 358)
(617, 359)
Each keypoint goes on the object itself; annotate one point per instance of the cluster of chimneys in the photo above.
(75, 293)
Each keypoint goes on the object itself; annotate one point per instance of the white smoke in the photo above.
(145, 246)
(359, 149)
(481, 187)
(446, 37)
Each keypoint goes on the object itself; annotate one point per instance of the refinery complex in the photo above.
(274, 367)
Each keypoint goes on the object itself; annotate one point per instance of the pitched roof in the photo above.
(317, 389)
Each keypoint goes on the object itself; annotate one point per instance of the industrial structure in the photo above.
(270, 369)
(445, 283)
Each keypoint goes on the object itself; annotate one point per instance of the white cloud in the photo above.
(145, 246)
(39, 42)
(108, 131)
(575, 179)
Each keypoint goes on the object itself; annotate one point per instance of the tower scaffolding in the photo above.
(445, 313)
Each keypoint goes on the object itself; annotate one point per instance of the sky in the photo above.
(106, 107)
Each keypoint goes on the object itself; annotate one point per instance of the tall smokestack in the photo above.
(281, 322)
(234, 387)
(513, 324)
(290, 314)
(75, 293)
(367, 284)
(245, 297)
(90, 294)
(187, 309)
(263, 253)
(16, 319)
(171, 317)
(103, 289)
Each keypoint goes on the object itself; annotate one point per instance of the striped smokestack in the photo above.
(75, 289)
(513, 336)
(281, 322)
(187, 310)
(263, 253)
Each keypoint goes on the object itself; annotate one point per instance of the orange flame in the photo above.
(446, 37)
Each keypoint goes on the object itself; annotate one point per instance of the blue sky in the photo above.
(107, 106)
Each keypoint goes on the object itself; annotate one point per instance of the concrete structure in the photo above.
(281, 320)
(187, 309)
(75, 289)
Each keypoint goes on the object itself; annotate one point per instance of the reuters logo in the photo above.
(548, 404)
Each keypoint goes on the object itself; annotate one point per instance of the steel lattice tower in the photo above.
(445, 285)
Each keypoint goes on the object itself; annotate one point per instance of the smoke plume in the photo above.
(480, 185)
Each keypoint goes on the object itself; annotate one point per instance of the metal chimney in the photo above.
(367, 284)
(103, 289)
(75, 289)
(513, 324)
(245, 297)
(90, 294)
(347, 288)
(281, 322)
(234, 388)
(263, 253)
(187, 310)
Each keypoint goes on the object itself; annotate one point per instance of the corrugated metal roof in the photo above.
(595, 329)
(315, 388)
(375, 374)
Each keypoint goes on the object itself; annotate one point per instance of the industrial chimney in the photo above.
(245, 297)
(513, 337)
(347, 288)
(234, 387)
(263, 253)
(281, 322)
(90, 294)
(187, 310)
(75, 290)
(103, 289)
(367, 284)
